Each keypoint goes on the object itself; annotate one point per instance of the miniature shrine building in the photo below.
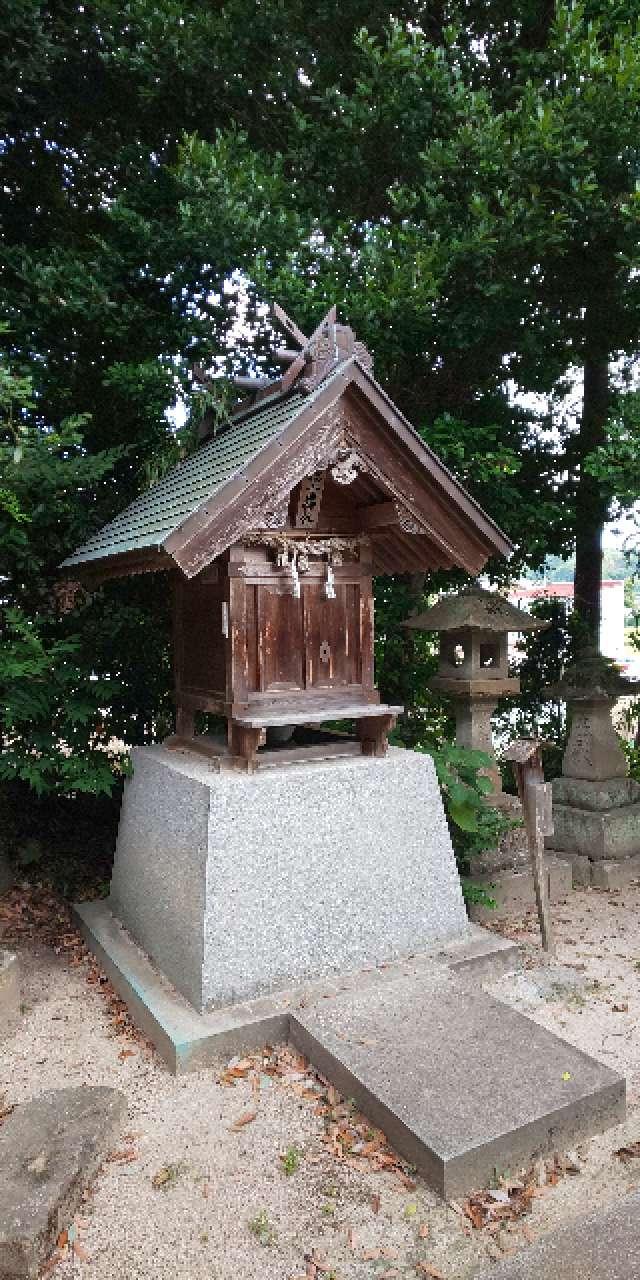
(271, 533)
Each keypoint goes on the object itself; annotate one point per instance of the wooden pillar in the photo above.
(373, 732)
(244, 743)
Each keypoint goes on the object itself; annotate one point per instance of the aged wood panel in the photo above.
(202, 643)
(332, 636)
(280, 640)
(237, 673)
(251, 616)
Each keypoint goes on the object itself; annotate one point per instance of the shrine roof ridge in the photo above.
(152, 531)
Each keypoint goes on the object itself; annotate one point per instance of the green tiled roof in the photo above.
(155, 514)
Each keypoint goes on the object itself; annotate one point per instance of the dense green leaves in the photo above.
(460, 178)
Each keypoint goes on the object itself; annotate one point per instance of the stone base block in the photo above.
(605, 873)
(9, 992)
(238, 886)
(513, 890)
(615, 875)
(607, 833)
(596, 794)
(581, 869)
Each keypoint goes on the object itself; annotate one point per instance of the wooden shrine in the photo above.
(271, 532)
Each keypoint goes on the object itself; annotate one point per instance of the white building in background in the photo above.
(612, 609)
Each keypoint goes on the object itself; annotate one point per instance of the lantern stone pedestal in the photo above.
(473, 669)
(596, 806)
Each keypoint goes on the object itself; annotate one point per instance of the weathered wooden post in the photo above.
(535, 796)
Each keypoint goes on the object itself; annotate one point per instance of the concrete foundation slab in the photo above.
(604, 1245)
(188, 1040)
(9, 992)
(461, 1083)
(239, 886)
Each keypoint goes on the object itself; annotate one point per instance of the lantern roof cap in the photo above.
(475, 610)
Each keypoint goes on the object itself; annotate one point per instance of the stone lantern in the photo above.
(473, 668)
(596, 805)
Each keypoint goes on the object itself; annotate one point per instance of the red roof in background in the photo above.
(559, 590)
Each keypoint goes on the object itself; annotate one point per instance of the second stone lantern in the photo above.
(473, 667)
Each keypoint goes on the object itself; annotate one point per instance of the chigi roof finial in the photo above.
(305, 364)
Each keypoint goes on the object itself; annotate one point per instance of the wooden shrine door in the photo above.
(304, 643)
(332, 643)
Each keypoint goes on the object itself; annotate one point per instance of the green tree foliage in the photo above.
(52, 724)
(460, 178)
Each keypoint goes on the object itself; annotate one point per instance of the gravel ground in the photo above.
(227, 1210)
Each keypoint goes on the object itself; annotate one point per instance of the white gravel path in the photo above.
(198, 1226)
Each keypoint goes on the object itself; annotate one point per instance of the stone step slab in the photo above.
(50, 1149)
(461, 1084)
(188, 1040)
(604, 1245)
(9, 992)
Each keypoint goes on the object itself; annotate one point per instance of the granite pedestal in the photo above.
(238, 886)
(596, 807)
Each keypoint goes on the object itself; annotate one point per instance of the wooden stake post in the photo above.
(535, 796)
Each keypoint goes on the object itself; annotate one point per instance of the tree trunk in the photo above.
(591, 506)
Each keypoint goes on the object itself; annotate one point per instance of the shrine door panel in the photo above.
(332, 637)
(280, 640)
(203, 645)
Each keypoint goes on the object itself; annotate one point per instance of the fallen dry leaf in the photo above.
(375, 1202)
(122, 1157)
(126, 1053)
(80, 1253)
(318, 1262)
(426, 1269)
(247, 1118)
(63, 1239)
(56, 1257)
(424, 1231)
(630, 1152)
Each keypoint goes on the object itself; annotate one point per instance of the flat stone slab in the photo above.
(604, 1245)
(461, 1083)
(188, 1040)
(9, 992)
(50, 1148)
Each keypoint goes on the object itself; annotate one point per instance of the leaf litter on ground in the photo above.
(348, 1135)
(35, 912)
(513, 1197)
